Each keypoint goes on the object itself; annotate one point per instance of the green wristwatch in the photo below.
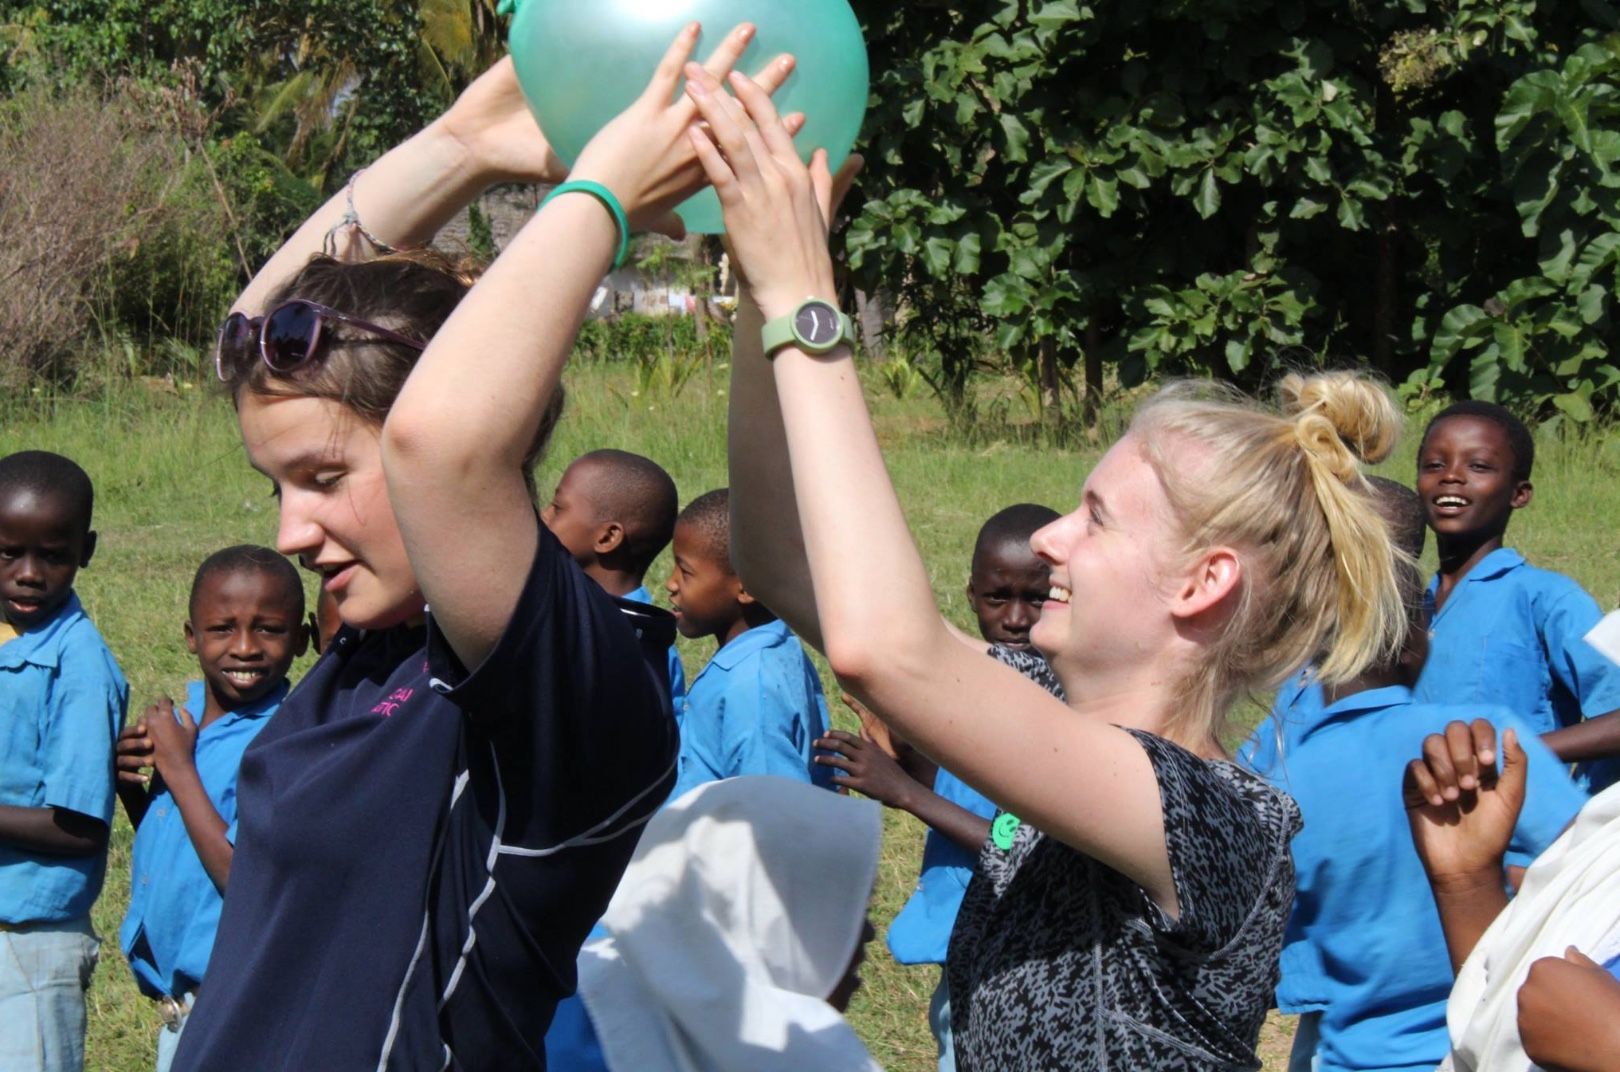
(815, 327)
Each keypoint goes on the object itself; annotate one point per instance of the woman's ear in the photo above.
(1214, 575)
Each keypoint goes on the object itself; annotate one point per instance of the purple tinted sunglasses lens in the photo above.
(235, 335)
(290, 335)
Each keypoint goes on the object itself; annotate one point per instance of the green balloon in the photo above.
(582, 62)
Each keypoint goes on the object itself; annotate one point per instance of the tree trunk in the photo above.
(1046, 356)
(869, 316)
(1094, 373)
(1384, 297)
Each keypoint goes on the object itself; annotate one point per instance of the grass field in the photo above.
(172, 485)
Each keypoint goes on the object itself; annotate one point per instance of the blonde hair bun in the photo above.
(1339, 412)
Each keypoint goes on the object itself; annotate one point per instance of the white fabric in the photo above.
(1570, 897)
(736, 918)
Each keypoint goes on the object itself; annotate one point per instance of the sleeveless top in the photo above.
(1059, 962)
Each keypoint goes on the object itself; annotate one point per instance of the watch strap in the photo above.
(780, 332)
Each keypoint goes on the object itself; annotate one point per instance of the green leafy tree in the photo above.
(1223, 188)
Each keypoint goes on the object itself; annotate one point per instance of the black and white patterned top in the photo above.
(1058, 962)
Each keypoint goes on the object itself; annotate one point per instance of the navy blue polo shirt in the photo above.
(423, 850)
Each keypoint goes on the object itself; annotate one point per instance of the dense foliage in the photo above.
(1095, 193)
(1224, 187)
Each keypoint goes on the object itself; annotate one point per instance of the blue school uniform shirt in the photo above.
(755, 709)
(1295, 712)
(921, 933)
(62, 703)
(677, 672)
(1363, 944)
(1512, 635)
(168, 932)
(423, 847)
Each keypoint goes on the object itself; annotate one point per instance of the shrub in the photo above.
(111, 223)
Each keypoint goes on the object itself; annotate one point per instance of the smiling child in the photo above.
(758, 705)
(1501, 630)
(246, 626)
(62, 698)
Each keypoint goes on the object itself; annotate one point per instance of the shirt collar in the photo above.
(197, 703)
(43, 646)
(1359, 703)
(756, 639)
(1499, 562)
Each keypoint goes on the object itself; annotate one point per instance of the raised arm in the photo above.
(1087, 783)
(767, 542)
(455, 441)
(409, 193)
(1462, 815)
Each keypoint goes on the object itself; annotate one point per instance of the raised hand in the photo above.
(645, 155)
(776, 208)
(492, 121)
(174, 739)
(1461, 811)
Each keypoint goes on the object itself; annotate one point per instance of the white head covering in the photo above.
(736, 918)
(1570, 897)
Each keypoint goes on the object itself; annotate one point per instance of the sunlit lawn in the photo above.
(172, 486)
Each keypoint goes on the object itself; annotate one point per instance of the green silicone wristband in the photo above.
(611, 203)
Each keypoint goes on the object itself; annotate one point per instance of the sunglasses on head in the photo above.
(288, 337)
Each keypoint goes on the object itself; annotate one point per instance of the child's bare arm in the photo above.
(52, 831)
(1462, 814)
(874, 729)
(867, 769)
(1595, 738)
(174, 744)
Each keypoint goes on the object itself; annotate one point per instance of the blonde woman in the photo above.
(1128, 909)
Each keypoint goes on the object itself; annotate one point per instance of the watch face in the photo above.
(817, 324)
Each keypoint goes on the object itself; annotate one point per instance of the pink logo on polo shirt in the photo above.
(395, 701)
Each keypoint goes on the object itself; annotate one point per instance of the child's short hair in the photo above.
(1402, 510)
(638, 493)
(1520, 442)
(1015, 524)
(251, 558)
(46, 474)
(710, 515)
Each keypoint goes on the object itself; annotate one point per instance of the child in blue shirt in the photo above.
(1502, 631)
(757, 706)
(1298, 705)
(246, 626)
(614, 512)
(62, 700)
(1007, 585)
(1371, 984)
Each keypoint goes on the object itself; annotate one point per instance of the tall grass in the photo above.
(172, 485)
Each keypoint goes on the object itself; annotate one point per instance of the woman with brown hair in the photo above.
(442, 807)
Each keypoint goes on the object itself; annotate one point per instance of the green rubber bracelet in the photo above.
(611, 203)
